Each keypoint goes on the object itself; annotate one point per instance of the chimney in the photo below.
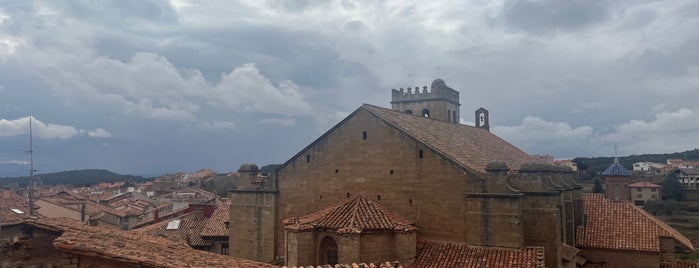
(155, 216)
(6, 193)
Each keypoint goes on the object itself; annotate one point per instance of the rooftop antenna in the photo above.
(31, 170)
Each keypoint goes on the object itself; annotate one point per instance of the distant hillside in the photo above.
(598, 164)
(84, 177)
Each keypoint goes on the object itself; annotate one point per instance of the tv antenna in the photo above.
(31, 170)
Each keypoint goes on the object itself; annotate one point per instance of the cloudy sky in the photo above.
(148, 87)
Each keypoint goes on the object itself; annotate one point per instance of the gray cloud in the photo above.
(544, 16)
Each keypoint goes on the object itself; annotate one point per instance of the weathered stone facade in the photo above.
(429, 171)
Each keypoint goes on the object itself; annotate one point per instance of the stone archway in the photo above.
(327, 252)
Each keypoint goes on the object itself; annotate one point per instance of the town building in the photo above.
(643, 191)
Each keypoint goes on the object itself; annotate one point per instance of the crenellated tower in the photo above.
(440, 102)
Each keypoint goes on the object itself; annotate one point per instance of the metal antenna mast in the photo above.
(31, 170)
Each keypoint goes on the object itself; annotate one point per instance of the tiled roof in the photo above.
(690, 171)
(187, 231)
(357, 265)
(438, 255)
(616, 169)
(468, 146)
(133, 247)
(353, 215)
(644, 184)
(13, 207)
(623, 226)
(216, 225)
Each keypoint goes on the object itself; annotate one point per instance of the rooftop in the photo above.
(353, 215)
(622, 226)
(133, 247)
(438, 254)
(616, 169)
(644, 184)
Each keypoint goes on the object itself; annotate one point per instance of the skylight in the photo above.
(173, 225)
(18, 211)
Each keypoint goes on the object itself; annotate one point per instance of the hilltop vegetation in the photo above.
(74, 177)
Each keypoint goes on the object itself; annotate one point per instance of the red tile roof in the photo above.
(216, 225)
(438, 255)
(133, 247)
(644, 184)
(359, 265)
(13, 207)
(680, 264)
(623, 226)
(353, 215)
(187, 231)
(468, 146)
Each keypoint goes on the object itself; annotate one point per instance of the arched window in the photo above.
(328, 251)
(426, 113)
(409, 111)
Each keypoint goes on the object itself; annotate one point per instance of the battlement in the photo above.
(438, 91)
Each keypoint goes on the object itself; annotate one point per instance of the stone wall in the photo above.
(252, 220)
(622, 258)
(428, 190)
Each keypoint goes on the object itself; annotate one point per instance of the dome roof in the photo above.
(616, 169)
(438, 83)
(248, 168)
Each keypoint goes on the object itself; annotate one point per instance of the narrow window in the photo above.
(348, 194)
(378, 197)
(391, 171)
(224, 248)
(410, 201)
(321, 197)
(363, 135)
(308, 158)
(337, 171)
(453, 117)
(419, 154)
(426, 113)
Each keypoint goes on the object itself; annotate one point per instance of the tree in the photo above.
(597, 188)
(672, 189)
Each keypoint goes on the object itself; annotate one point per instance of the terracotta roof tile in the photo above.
(357, 265)
(623, 226)
(216, 225)
(644, 184)
(187, 230)
(13, 207)
(438, 254)
(133, 247)
(353, 215)
(680, 264)
(469, 146)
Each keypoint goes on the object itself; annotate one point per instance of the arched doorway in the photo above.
(426, 113)
(328, 251)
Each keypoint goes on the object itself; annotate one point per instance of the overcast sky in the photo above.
(148, 87)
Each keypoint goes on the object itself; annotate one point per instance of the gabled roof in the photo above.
(469, 147)
(13, 207)
(644, 184)
(186, 230)
(132, 247)
(623, 226)
(216, 225)
(438, 255)
(353, 215)
(616, 169)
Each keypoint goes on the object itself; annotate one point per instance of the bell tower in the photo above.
(441, 102)
(482, 120)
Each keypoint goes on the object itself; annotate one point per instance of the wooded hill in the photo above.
(78, 178)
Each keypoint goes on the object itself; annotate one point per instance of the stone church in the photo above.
(383, 183)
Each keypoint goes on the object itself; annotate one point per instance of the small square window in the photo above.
(391, 171)
(639, 196)
(638, 189)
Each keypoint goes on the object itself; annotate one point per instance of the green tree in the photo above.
(597, 187)
(672, 189)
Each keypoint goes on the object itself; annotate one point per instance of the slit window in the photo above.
(363, 135)
(348, 194)
(308, 158)
(391, 171)
(378, 197)
(420, 154)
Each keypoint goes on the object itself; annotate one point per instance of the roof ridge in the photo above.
(666, 227)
